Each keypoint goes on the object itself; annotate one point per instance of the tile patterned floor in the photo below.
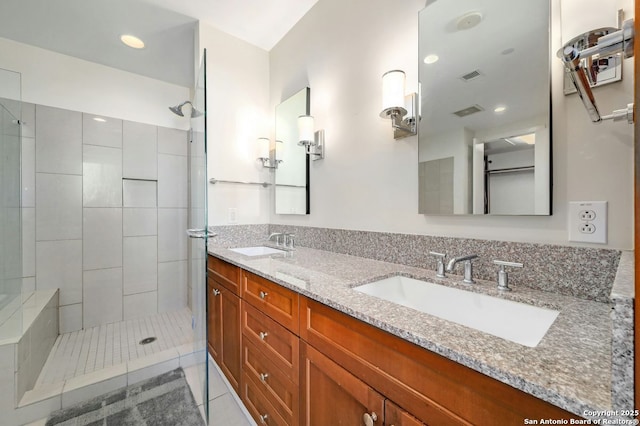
(84, 351)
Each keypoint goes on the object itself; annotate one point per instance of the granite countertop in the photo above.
(570, 368)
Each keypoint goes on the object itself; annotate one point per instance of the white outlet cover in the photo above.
(575, 222)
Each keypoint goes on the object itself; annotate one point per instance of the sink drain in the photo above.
(147, 340)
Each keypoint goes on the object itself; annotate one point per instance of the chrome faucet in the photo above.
(468, 267)
(278, 236)
(503, 277)
(440, 264)
(289, 241)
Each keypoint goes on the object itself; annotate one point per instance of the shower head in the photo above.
(177, 110)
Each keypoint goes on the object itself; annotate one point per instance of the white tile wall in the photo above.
(102, 302)
(140, 264)
(172, 239)
(172, 181)
(58, 207)
(140, 150)
(101, 176)
(29, 242)
(172, 286)
(103, 133)
(59, 265)
(172, 141)
(28, 172)
(58, 141)
(139, 193)
(7, 377)
(102, 242)
(140, 305)
(29, 121)
(139, 222)
(70, 318)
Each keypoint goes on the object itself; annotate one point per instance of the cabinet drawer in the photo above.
(224, 273)
(277, 387)
(274, 341)
(276, 301)
(258, 405)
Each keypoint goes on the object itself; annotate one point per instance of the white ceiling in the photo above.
(90, 29)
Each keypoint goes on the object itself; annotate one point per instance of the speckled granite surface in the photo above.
(571, 367)
(622, 313)
(587, 273)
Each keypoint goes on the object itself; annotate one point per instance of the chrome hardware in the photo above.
(503, 277)
(289, 241)
(468, 267)
(264, 377)
(278, 236)
(198, 233)
(263, 418)
(216, 292)
(440, 265)
(263, 294)
(369, 419)
(263, 335)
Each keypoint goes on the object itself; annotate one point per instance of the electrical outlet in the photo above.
(588, 221)
(232, 215)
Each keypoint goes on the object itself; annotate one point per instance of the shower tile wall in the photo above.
(105, 209)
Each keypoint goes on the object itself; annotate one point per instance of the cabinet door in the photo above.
(396, 416)
(231, 356)
(332, 396)
(214, 320)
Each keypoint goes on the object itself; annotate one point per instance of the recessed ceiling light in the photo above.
(99, 119)
(132, 41)
(431, 59)
(468, 20)
(500, 109)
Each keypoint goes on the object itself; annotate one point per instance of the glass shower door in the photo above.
(10, 206)
(198, 229)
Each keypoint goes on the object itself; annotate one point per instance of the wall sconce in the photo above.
(312, 140)
(401, 109)
(264, 154)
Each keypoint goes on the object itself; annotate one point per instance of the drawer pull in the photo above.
(263, 295)
(263, 418)
(263, 335)
(216, 292)
(264, 377)
(369, 419)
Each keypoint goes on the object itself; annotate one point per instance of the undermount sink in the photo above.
(514, 321)
(257, 251)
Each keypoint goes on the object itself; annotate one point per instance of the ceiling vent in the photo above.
(471, 75)
(468, 111)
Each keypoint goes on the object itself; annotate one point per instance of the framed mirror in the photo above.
(485, 131)
(292, 174)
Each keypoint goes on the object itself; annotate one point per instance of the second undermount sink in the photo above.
(514, 321)
(257, 251)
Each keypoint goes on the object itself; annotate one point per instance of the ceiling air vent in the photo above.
(468, 111)
(471, 75)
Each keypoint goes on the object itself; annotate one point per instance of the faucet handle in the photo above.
(440, 265)
(289, 240)
(503, 277)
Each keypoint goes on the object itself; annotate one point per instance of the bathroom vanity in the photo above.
(301, 346)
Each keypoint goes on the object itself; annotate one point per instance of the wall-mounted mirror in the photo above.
(484, 134)
(292, 174)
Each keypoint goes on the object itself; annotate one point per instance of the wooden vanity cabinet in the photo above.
(223, 318)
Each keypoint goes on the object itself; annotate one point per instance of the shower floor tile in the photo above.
(89, 350)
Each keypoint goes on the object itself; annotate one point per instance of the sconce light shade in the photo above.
(279, 150)
(393, 90)
(306, 128)
(263, 147)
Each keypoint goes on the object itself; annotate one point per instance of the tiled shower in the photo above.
(105, 209)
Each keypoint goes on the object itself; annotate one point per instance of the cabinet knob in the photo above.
(216, 292)
(263, 294)
(263, 335)
(264, 377)
(369, 419)
(263, 418)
